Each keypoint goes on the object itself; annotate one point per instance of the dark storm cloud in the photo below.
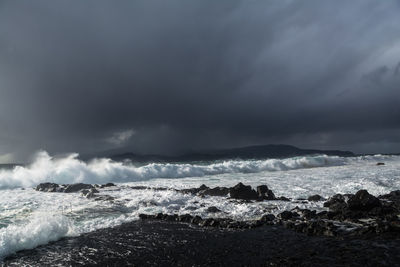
(159, 76)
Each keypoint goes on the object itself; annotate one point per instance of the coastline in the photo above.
(161, 243)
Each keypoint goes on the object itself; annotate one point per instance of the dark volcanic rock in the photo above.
(213, 209)
(267, 218)
(89, 193)
(283, 198)
(264, 193)
(185, 218)
(241, 191)
(336, 202)
(156, 243)
(48, 187)
(139, 187)
(216, 191)
(363, 201)
(71, 188)
(315, 198)
(392, 196)
(286, 215)
(194, 190)
(305, 213)
(107, 185)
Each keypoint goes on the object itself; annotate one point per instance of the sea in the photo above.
(29, 218)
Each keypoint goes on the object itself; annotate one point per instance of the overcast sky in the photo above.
(170, 76)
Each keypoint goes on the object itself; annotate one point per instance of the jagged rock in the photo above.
(283, 198)
(305, 213)
(107, 185)
(139, 187)
(315, 198)
(213, 209)
(71, 188)
(48, 187)
(203, 187)
(89, 193)
(144, 216)
(264, 193)
(363, 201)
(286, 215)
(267, 218)
(216, 191)
(194, 190)
(241, 191)
(206, 222)
(391, 200)
(392, 196)
(196, 220)
(185, 218)
(336, 202)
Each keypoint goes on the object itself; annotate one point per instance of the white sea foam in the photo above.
(29, 218)
(40, 229)
(71, 170)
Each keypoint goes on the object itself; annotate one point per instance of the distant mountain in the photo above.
(9, 166)
(250, 152)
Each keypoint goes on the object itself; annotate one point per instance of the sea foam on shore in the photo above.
(29, 218)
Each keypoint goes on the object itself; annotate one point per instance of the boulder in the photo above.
(241, 191)
(216, 191)
(282, 198)
(286, 215)
(89, 193)
(138, 187)
(71, 188)
(264, 193)
(392, 196)
(107, 185)
(315, 198)
(196, 220)
(336, 202)
(267, 218)
(213, 209)
(194, 190)
(185, 218)
(48, 187)
(363, 201)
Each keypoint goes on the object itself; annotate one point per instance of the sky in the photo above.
(174, 76)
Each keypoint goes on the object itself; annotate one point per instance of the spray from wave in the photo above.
(70, 169)
(40, 230)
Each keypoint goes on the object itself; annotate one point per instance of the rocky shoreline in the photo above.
(355, 230)
(162, 243)
(346, 215)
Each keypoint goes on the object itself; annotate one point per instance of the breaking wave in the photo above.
(70, 169)
(40, 230)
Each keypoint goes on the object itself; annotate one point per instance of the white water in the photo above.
(29, 218)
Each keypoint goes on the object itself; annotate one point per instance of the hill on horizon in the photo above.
(248, 152)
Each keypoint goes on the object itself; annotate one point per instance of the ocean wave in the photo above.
(39, 230)
(70, 169)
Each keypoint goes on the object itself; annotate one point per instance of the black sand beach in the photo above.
(160, 243)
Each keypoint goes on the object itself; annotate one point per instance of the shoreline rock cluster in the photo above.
(238, 192)
(347, 214)
(86, 190)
